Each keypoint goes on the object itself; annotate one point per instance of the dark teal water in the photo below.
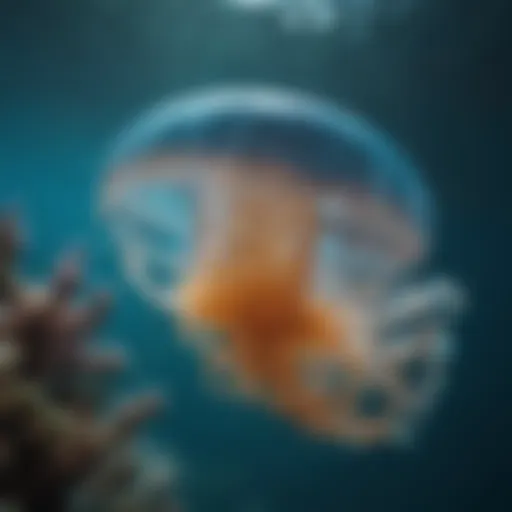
(73, 73)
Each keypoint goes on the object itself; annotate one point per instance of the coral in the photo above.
(52, 434)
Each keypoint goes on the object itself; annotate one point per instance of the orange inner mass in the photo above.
(253, 282)
(268, 327)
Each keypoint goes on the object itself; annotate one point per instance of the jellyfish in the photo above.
(289, 239)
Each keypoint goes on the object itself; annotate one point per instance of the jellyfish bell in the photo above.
(279, 222)
(193, 153)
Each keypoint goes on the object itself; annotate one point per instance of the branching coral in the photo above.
(51, 434)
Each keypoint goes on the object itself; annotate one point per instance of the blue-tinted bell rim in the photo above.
(323, 143)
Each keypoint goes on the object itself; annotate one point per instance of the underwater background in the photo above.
(72, 74)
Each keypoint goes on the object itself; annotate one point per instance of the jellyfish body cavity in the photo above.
(281, 223)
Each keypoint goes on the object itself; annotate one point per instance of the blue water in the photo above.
(73, 73)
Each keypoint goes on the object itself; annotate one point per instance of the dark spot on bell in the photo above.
(414, 372)
(373, 402)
